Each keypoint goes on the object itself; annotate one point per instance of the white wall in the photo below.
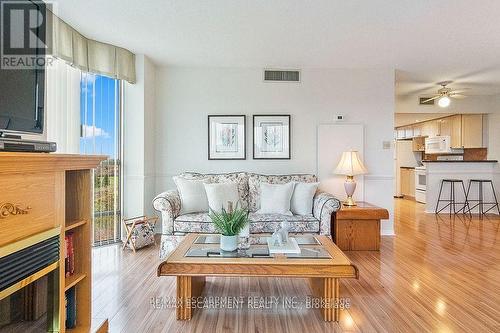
(138, 140)
(494, 130)
(185, 96)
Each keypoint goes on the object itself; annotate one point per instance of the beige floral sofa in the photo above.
(318, 222)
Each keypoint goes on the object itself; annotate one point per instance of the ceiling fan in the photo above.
(444, 94)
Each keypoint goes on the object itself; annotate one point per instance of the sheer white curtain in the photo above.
(63, 106)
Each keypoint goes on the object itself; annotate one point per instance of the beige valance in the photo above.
(90, 55)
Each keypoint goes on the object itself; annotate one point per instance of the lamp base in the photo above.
(350, 187)
(349, 202)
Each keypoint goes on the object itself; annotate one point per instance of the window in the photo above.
(100, 132)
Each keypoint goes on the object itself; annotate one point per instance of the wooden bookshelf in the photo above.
(78, 211)
(55, 193)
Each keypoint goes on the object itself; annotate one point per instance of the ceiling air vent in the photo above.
(422, 101)
(281, 75)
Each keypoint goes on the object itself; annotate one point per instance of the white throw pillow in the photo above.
(275, 198)
(193, 195)
(219, 194)
(302, 198)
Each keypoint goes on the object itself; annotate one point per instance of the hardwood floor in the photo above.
(438, 274)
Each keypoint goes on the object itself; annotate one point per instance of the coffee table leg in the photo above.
(188, 287)
(327, 289)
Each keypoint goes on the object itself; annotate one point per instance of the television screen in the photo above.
(21, 100)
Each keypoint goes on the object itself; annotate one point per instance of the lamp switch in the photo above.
(386, 144)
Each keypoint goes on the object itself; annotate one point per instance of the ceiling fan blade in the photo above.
(431, 99)
(458, 96)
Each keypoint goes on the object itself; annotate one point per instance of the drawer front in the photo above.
(28, 205)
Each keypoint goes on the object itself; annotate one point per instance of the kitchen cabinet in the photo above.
(409, 132)
(417, 130)
(452, 126)
(400, 133)
(408, 182)
(430, 128)
(419, 143)
(472, 130)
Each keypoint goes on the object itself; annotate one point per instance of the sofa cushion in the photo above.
(276, 198)
(302, 198)
(254, 181)
(259, 223)
(241, 178)
(193, 195)
(219, 194)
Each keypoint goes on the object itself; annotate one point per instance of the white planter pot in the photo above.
(228, 243)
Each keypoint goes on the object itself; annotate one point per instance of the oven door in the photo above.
(420, 180)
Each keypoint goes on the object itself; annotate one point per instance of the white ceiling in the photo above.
(427, 40)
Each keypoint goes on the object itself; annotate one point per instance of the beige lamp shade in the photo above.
(350, 164)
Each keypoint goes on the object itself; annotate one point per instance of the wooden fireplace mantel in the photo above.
(45, 192)
(41, 162)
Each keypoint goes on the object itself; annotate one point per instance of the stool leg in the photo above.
(467, 199)
(439, 197)
(481, 209)
(495, 196)
(466, 203)
(452, 195)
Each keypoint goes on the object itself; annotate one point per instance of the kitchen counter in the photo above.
(463, 170)
(458, 161)
(405, 167)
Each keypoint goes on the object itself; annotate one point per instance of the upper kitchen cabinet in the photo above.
(452, 126)
(430, 128)
(472, 130)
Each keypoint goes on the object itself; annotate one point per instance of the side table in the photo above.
(357, 228)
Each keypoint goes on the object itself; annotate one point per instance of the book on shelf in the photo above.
(70, 298)
(69, 258)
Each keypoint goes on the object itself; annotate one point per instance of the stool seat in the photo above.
(453, 180)
(481, 180)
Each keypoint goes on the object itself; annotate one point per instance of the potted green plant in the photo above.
(229, 223)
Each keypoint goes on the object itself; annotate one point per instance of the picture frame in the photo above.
(271, 137)
(226, 137)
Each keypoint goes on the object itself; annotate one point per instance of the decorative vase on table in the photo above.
(229, 223)
(228, 243)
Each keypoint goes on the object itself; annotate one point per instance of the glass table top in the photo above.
(207, 246)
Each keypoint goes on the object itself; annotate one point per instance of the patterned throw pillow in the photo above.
(254, 181)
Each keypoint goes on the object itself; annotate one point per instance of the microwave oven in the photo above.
(438, 145)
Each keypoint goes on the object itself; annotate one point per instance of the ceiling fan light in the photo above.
(444, 101)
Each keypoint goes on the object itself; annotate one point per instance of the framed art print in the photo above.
(226, 137)
(271, 137)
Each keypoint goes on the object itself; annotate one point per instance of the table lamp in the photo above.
(350, 165)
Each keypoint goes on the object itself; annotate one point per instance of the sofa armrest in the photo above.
(324, 205)
(169, 205)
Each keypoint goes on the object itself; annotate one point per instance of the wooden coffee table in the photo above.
(198, 256)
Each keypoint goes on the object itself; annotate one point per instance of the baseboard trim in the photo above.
(387, 232)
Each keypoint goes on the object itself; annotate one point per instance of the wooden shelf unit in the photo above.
(74, 224)
(78, 210)
(55, 190)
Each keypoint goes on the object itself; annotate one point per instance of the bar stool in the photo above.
(451, 201)
(480, 198)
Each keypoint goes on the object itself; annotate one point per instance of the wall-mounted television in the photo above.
(22, 100)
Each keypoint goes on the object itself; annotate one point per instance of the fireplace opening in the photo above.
(27, 309)
(29, 284)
